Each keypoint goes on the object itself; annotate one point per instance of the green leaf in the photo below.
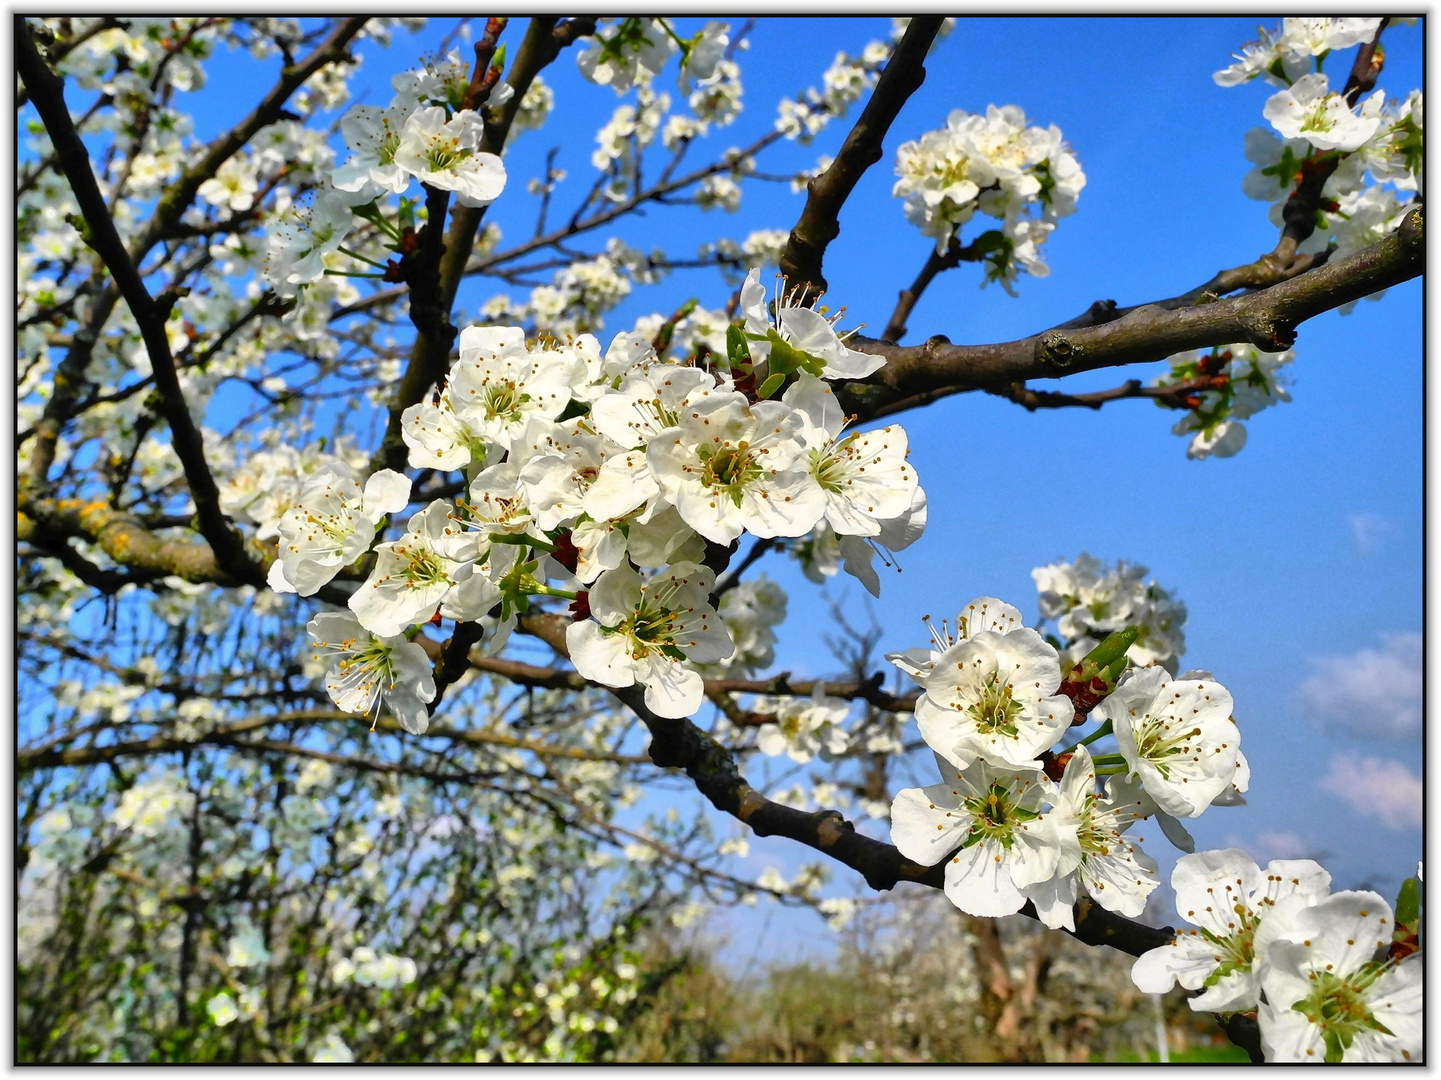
(1408, 905)
(1113, 648)
(771, 385)
(786, 359)
(737, 351)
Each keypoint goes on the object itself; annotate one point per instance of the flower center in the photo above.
(1338, 1007)
(1155, 743)
(996, 710)
(423, 567)
(389, 144)
(729, 469)
(1317, 119)
(830, 466)
(651, 629)
(369, 671)
(335, 528)
(444, 154)
(995, 815)
(504, 400)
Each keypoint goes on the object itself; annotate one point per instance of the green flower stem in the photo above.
(1102, 731)
(1109, 759)
(684, 45)
(361, 258)
(376, 218)
(546, 590)
(351, 273)
(521, 540)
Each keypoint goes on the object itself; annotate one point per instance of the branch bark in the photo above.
(917, 374)
(819, 222)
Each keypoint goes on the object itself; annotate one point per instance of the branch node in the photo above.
(1057, 350)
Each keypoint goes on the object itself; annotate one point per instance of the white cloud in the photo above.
(1385, 791)
(1369, 532)
(1282, 845)
(1374, 693)
(1265, 846)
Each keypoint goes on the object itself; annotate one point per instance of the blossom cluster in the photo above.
(1024, 177)
(1089, 601)
(429, 132)
(600, 478)
(632, 51)
(1321, 969)
(1018, 816)
(1224, 386)
(1316, 131)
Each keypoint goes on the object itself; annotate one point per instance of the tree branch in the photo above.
(47, 91)
(1267, 319)
(819, 222)
(430, 356)
(679, 744)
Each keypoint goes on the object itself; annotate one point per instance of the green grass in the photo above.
(1192, 1054)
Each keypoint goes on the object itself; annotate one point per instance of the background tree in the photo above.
(245, 359)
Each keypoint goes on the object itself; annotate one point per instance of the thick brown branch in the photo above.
(819, 222)
(1267, 319)
(679, 744)
(121, 536)
(429, 356)
(47, 93)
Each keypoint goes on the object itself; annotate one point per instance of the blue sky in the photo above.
(1305, 546)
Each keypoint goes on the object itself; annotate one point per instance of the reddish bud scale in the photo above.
(435, 619)
(1085, 694)
(566, 553)
(745, 382)
(393, 272)
(409, 242)
(580, 607)
(1055, 764)
(1404, 942)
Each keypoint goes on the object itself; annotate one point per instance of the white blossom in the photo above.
(992, 693)
(1226, 896)
(1177, 734)
(865, 476)
(373, 136)
(1116, 873)
(988, 820)
(1326, 997)
(1308, 110)
(730, 467)
(804, 727)
(803, 328)
(367, 669)
(446, 154)
(645, 632)
(413, 575)
(332, 524)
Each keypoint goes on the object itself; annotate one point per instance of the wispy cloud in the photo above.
(1376, 693)
(1265, 846)
(1385, 791)
(1283, 845)
(1369, 531)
